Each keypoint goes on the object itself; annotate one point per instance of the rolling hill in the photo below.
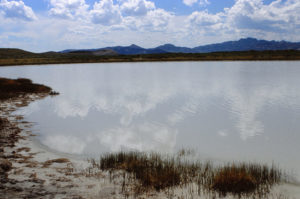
(246, 44)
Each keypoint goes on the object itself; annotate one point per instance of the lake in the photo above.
(222, 110)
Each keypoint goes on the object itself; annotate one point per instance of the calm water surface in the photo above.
(223, 110)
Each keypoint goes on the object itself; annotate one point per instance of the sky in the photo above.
(54, 25)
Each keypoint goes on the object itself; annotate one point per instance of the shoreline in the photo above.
(34, 172)
(71, 58)
(139, 61)
(145, 61)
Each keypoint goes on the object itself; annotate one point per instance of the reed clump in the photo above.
(233, 181)
(244, 179)
(150, 169)
(158, 172)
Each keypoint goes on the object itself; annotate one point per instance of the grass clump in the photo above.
(244, 179)
(233, 180)
(150, 169)
(153, 171)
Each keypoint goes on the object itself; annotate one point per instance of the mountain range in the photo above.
(246, 44)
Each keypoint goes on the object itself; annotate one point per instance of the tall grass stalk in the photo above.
(152, 171)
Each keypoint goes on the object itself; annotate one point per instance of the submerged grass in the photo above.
(151, 170)
(157, 172)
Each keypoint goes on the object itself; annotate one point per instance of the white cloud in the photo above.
(17, 10)
(155, 20)
(277, 17)
(203, 19)
(106, 13)
(141, 22)
(207, 25)
(189, 2)
(137, 7)
(204, 2)
(192, 2)
(279, 20)
(68, 9)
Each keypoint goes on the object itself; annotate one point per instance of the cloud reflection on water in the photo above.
(152, 104)
(66, 144)
(143, 137)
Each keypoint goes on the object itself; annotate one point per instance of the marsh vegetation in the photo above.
(146, 172)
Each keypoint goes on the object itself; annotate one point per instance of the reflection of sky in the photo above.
(224, 109)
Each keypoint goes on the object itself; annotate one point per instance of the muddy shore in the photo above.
(26, 169)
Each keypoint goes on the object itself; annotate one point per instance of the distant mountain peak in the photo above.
(167, 45)
(246, 44)
(134, 46)
(243, 44)
(248, 39)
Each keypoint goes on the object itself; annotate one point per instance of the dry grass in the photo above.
(155, 172)
(245, 179)
(26, 149)
(5, 165)
(151, 170)
(3, 124)
(3, 131)
(234, 181)
(18, 57)
(10, 88)
(59, 160)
